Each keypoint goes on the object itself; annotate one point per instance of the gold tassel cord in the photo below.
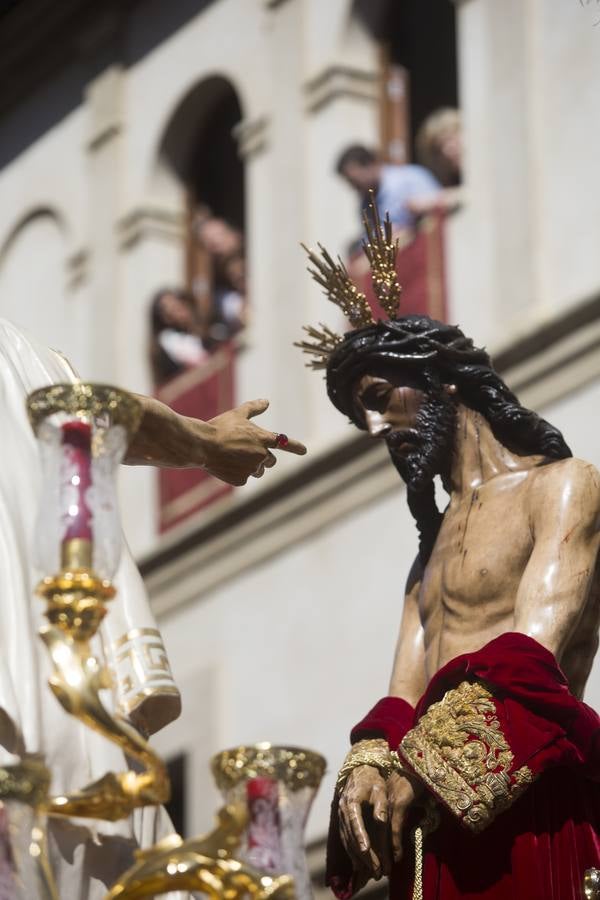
(418, 883)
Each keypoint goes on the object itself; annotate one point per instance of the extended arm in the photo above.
(230, 446)
(555, 588)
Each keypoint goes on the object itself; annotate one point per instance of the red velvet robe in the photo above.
(540, 846)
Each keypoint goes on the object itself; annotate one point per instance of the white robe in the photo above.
(87, 856)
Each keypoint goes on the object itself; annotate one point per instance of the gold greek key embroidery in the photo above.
(135, 633)
(141, 667)
(459, 750)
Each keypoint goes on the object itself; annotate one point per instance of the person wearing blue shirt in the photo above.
(395, 186)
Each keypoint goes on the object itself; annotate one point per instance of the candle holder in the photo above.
(205, 864)
(277, 786)
(25, 872)
(83, 431)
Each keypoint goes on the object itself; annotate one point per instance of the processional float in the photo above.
(256, 848)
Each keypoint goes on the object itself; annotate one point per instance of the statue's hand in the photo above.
(239, 448)
(230, 446)
(363, 808)
(401, 791)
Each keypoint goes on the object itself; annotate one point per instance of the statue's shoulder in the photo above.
(570, 480)
(570, 468)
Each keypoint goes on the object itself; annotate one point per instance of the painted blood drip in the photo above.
(264, 828)
(77, 462)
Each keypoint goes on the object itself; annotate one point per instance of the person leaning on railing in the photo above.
(394, 186)
(177, 342)
(439, 148)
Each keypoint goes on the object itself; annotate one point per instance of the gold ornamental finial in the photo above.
(322, 344)
(381, 251)
(339, 287)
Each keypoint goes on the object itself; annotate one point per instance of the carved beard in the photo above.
(431, 440)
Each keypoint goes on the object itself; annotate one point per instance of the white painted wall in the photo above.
(301, 647)
(525, 245)
(33, 291)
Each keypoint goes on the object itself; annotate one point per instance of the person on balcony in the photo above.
(229, 308)
(395, 186)
(218, 237)
(223, 309)
(439, 147)
(176, 341)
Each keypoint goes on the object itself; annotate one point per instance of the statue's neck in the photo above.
(479, 456)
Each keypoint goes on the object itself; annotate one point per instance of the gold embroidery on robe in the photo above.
(459, 750)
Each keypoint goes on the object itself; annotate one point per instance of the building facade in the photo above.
(279, 604)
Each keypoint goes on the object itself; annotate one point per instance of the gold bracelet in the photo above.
(371, 752)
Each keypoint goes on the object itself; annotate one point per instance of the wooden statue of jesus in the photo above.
(476, 776)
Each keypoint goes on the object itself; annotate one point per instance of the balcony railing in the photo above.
(420, 267)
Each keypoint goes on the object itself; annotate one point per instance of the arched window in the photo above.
(201, 148)
(33, 281)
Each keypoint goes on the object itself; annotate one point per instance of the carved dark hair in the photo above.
(440, 354)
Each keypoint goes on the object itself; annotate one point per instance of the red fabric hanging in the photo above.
(540, 847)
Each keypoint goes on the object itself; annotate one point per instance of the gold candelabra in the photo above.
(83, 431)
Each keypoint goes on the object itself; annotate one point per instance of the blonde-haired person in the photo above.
(439, 148)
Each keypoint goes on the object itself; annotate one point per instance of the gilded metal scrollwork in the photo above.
(76, 682)
(203, 864)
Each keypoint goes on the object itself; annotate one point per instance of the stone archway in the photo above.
(199, 149)
(33, 289)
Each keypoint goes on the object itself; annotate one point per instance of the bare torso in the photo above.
(468, 593)
(517, 551)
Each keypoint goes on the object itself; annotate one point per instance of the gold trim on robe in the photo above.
(460, 752)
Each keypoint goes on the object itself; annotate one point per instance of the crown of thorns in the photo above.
(381, 251)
